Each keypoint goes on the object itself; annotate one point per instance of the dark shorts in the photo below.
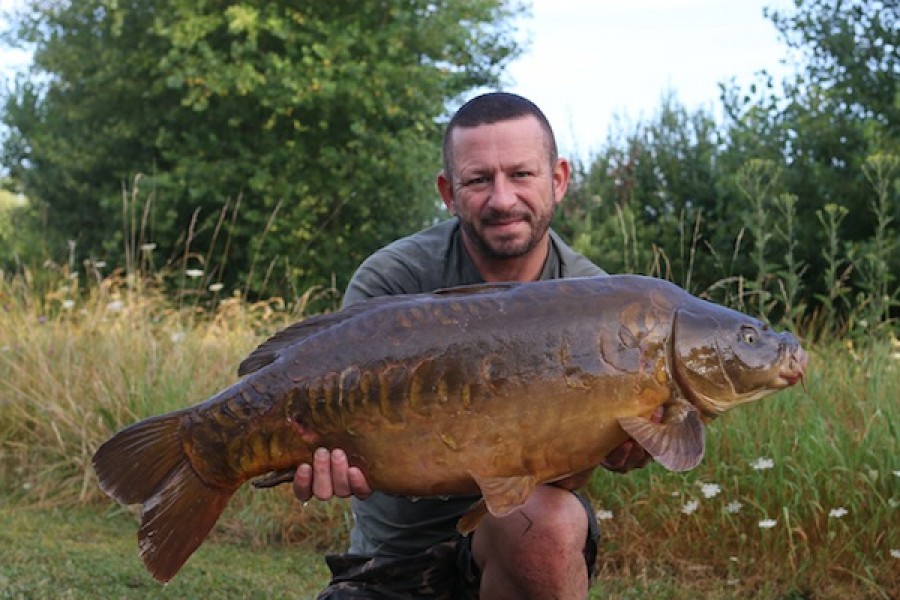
(446, 571)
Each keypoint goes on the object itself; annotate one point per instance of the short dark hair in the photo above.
(495, 107)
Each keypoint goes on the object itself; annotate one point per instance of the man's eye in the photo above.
(475, 181)
(522, 174)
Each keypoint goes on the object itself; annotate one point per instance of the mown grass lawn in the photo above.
(91, 552)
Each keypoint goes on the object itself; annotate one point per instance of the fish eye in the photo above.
(749, 335)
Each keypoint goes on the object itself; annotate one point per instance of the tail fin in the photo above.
(145, 464)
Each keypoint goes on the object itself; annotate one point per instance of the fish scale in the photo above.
(492, 389)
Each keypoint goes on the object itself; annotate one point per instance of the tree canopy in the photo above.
(258, 141)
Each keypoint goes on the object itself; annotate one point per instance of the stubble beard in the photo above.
(512, 247)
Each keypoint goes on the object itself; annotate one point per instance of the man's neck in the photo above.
(527, 267)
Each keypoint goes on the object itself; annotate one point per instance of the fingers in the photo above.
(322, 486)
(359, 486)
(616, 460)
(626, 457)
(329, 476)
(630, 455)
(303, 482)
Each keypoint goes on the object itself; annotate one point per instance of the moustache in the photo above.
(493, 217)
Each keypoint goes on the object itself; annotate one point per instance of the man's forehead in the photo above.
(517, 140)
(525, 124)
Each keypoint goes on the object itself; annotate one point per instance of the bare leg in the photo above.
(536, 552)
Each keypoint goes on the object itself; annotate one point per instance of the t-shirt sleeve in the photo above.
(382, 274)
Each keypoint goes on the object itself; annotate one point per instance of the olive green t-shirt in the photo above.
(423, 262)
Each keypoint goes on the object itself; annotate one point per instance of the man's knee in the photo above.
(558, 517)
(544, 549)
(553, 524)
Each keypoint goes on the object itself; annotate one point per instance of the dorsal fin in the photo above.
(477, 288)
(271, 349)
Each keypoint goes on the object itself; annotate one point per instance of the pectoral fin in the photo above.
(677, 443)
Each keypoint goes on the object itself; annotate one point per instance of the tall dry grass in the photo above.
(77, 364)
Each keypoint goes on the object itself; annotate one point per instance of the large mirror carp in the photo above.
(489, 389)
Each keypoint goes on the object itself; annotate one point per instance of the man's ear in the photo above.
(445, 189)
(561, 174)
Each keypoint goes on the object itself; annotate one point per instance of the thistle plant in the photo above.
(755, 180)
(882, 172)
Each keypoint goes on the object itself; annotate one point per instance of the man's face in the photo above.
(504, 189)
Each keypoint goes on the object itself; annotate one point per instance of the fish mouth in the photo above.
(796, 368)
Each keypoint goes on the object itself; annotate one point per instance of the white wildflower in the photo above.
(733, 581)
(710, 490)
(177, 337)
(604, 515)
(194, 273)
(762, 463)
(690, 507)
(895, 552)
(115, 306)
(733, 507)
(838, 512)
(68, 304)
(100, 264)
(896, 473)
(150, 247)
(767, 523)
(216, 287)
(892, 502)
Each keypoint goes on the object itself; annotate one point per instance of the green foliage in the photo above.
(826, 122)
(286, 141)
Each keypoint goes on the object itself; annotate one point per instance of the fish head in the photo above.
(721, 358)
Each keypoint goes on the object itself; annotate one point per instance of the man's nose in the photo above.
(503, 195)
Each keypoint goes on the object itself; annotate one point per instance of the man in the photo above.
(502, 181)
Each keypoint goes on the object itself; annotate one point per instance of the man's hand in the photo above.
(573, 482)
(330, 475)
(630, 455)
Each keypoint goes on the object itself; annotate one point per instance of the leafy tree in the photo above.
(278, 142)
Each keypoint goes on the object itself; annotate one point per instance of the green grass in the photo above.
(91, 552)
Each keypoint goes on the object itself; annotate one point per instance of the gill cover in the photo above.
(721, 358)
